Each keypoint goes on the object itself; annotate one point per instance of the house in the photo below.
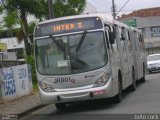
(148, 20)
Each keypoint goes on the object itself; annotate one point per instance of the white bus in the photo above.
(87, 57)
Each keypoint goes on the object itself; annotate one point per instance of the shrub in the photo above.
(31, 61)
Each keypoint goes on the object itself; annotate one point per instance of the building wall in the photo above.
(148, 20)
(150, 27)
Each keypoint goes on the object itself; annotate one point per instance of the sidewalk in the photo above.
(20, 105)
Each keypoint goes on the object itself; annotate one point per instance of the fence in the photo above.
(15, 82)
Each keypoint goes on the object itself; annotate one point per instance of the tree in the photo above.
(10, 20)
(23, 8)
(72, 7)
(38, 8)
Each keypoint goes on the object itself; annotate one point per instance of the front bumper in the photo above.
(77, 95)
(154, 69)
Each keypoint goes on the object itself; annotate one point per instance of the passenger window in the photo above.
(129, 40)
(122, 41)
(139, 43)
(114, 46)
(142, 41)
(135, 38)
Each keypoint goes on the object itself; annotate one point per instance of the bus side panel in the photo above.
(134, 50)
(123, 57)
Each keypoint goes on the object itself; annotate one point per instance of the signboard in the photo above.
(130, 22)
(3, 47)
(65, 26)
(155, 31)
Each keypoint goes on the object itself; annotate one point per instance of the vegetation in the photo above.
(72, 7)
(30, 61)
(15, 21)
(23, 8)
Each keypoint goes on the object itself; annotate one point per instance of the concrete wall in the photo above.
(15, 82)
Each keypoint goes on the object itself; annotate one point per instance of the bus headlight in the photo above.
(102, 81)
(46, 88)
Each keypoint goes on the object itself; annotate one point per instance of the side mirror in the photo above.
(112, 37)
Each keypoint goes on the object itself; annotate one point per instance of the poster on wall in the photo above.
(155, 31)
(22, 82)
(8, 83)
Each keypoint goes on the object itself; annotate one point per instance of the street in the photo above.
(144, 100)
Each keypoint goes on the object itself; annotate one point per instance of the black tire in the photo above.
(143, 80)
(118, 97)
(133, 86)
(60, 105)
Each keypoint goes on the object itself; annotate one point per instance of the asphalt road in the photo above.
(146, 99)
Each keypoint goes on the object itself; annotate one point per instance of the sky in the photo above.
(105, 5)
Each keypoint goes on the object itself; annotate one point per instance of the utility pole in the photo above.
(113, 10)
(50, 7)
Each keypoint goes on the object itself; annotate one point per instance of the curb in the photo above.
(30, 110)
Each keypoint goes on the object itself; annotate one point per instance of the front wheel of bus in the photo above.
(118, 97)
(60, 105)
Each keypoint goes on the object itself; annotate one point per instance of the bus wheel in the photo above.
(133, 86)
(144, 75)
(60, 105)
(118, 97)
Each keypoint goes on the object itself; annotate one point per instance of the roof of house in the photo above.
(143, 13)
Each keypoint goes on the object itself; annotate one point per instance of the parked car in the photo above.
(153, 63)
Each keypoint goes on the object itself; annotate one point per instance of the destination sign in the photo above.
(66, 26)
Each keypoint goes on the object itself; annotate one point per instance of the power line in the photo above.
(101, 4)
(123, 7)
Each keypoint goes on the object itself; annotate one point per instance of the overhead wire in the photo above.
(102, 5)
(123, 7)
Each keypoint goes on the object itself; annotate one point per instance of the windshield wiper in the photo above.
(58, 45)
(81, 41)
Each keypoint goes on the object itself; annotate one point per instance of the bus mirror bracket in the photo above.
(30, 38)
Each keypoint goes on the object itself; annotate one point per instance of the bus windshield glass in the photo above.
(71, 54)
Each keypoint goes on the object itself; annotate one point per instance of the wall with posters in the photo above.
(15, 82)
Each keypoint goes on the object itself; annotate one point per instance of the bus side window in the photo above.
(107, 40)
(142, 41)
(138, 42)
(135, 39)
(114, 46)
(129, 40)
(122, 38)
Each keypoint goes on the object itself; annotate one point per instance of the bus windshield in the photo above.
(71, 54)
